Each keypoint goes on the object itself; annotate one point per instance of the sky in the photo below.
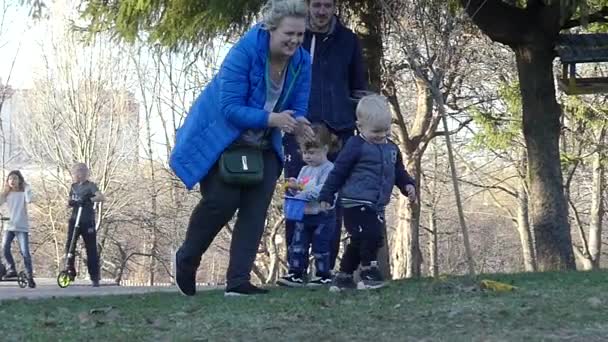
(20, 38)
(26, 41)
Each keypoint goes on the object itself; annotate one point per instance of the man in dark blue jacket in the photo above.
(338, 75)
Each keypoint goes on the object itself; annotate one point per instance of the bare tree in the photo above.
(432, 44)
(79, 111)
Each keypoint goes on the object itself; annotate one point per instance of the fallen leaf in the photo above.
(192, 309)
(455, 312)
(103, 310)
(594, 302)
(49, 322)
(98, 323)
(113, 315)
(156, 324)
(63, 310)
(503, 312)
(496, 286)
(178, 315)
(84, 317)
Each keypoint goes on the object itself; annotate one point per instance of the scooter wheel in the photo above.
(22, 280)
(63, 279)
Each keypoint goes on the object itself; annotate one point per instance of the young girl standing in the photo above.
(17, 195)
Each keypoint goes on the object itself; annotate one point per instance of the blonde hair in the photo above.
(373, 108)
(275, 10)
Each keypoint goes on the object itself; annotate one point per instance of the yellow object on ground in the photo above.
(496, 286)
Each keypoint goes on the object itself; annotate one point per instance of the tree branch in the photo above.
(579, 226)
(600, 16)
(500, 21)
(454, 131)
(489, 187)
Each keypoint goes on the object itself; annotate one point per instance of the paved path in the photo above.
(47, 288)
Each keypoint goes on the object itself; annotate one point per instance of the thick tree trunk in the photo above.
(368, 14)
(541, 126)
(369, 29)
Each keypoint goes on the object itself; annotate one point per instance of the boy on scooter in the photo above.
(84, 193)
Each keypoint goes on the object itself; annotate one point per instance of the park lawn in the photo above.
(568, 306)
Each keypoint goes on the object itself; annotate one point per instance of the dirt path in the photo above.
(47, 288)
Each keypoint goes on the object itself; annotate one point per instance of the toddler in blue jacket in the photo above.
(364, 174)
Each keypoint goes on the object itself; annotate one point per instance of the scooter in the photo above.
(65, 278)
(21, 277)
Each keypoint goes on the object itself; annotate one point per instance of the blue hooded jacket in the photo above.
(233, 102)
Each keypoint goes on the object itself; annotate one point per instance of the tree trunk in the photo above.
(369, 29)
(433, 262)
(523, 228)
(153, 206)
(368, 14)
(541, 127)
(597, 205)
(413, 257)
(273, 253)
(406, 258)
(398, 241)
(463, 226)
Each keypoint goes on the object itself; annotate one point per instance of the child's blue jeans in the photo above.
(317, 230)
(24, 246)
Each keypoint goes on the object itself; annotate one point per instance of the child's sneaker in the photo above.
(30, 282)
(320, 281)
(71, 274)
(371, 278)
(291, 280)
(343, 281)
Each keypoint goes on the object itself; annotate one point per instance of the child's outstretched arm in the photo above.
(343, 165)
(29, 195)
(403, 180)
(312, 193)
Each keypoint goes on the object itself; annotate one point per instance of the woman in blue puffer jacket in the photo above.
(261, 89)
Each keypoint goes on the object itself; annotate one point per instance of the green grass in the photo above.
(549, 306)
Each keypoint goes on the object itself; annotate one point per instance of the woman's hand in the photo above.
(283, 120)
(304, 130)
